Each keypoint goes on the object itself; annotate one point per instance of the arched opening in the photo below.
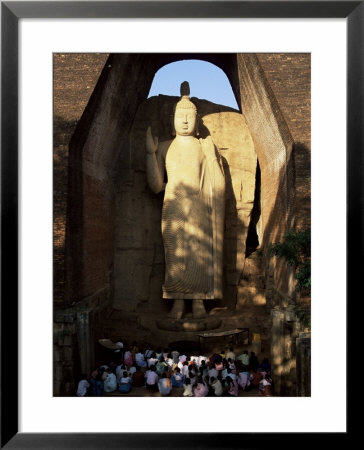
(204, 78)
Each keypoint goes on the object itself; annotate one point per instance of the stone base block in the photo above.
(188, 324)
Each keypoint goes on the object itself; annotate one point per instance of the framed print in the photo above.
(85, 212)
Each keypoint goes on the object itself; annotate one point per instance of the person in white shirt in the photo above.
(110, 383)
(169, 361)
(184, 370)
(139, 359)
(132, 370)
(243, 379)
(159, 354)
(175, 356)
(125, 379)
(151, 379)
(263, 383)
(188, 388)
(216, 386)
(182, 358)
(83, 386)
(265, 387)
(152, 361)
(119, 370)
(125, 383)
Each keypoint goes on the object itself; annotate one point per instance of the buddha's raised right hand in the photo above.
(150, 142)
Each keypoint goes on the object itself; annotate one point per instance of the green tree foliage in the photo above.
(296, 249)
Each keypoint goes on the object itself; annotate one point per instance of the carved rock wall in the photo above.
(100, 137)
(279, 123)
(74, 78)
(289, 76)
(274, 94)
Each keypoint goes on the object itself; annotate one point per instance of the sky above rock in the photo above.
(207, 81)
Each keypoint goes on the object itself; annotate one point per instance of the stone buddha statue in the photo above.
(193, 210)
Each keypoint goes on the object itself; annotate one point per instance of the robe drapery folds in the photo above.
(193, 230)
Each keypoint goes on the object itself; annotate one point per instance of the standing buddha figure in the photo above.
(193, 210)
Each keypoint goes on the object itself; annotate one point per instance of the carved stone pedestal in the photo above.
(208, 323)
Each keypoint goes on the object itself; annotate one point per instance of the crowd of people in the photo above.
(221, 374)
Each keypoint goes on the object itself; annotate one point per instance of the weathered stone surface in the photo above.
(67, 354)
(189, 325)
(303, 364)
(57, 387)
(99, 140)
(64, 317)
(58, 373)
(74, 78)
(65, 351)
(289, 75)
(69, 389)
(67, 340)
(256, 347)
(134, 272)
(273, 144)
(250, 295)
(85, 339)
(56, 354)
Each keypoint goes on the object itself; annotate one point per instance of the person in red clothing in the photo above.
(138, 378)
(255, 377)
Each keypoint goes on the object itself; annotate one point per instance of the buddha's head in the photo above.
(185, 115)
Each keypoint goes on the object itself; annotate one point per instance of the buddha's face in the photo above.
(184, 121)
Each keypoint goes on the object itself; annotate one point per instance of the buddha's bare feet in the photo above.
(198, 309)
(177, 309)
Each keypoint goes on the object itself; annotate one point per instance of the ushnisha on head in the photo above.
(185, 115)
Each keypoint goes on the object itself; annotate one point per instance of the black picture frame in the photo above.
(11, 12)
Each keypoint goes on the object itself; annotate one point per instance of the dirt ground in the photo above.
(176, 392)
